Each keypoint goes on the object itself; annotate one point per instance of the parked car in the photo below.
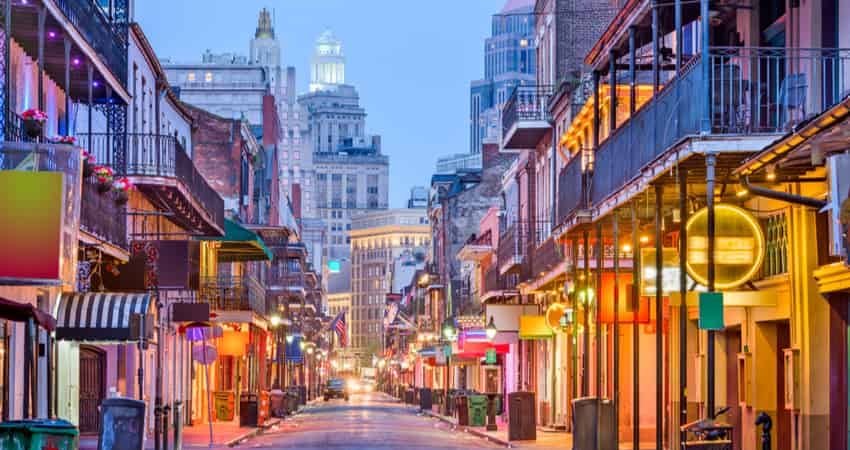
(336, 388)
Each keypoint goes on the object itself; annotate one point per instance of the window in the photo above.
(190, 76)
(208, 77)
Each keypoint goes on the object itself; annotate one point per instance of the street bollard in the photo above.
(166, 413)
(178, 425)
(766, 423)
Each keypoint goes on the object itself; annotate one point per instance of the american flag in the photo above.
(339, 327)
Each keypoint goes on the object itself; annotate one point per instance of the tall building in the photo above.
(378, 240)
(351, 173)
(509, 60)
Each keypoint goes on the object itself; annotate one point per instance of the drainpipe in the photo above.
(782, 196)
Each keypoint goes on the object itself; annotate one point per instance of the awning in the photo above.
(22, 312)
(473, 349)
(101, 316)
(534, 327)
(240, 244)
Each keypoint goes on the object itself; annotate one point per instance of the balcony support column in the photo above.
(600, 394)
(574, 305)
(67, 43)
(585, 354)
(42, 17)
(612, 74)
(595, 110)
(705, 123)
(656, 80)
(7, 67)
(90, 76)
(659, 317)
(615, 391)
(710, 162)
(635, 308)
(632, 70)
(683, 291)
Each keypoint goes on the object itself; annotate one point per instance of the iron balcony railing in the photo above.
(526, 103)
(546, 256)
(571, 189)
(157, 155)
(101, 216)
(233, 293)
(513, 245)
(110, 42)
(292, 281)
(750, 90)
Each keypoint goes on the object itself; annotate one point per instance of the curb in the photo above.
(470, 430)
(253, 433)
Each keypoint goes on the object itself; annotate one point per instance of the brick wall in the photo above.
(579, 24)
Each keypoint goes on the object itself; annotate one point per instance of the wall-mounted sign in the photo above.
(669, 272)
(711, 311)
(490, 356)
(738, 248)
(333, 266)
(554, 313)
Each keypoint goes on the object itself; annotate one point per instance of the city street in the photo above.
(367, 421)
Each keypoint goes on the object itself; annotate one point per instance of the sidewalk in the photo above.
(546, 439)
(225, 434)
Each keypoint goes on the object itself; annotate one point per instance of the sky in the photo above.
(411, 61)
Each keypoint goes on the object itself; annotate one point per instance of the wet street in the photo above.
(367, 421)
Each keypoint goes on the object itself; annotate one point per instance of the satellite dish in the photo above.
(205, 354)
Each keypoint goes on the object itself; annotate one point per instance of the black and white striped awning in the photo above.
(102, 316)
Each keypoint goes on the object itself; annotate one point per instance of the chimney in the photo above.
(296, 200)
(489, 155)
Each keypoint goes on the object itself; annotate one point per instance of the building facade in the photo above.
(378, 240)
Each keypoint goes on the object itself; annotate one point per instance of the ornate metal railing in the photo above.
(571, 191)
(526, 103)
(233, 293)
(101, 216)
(513, 245)
(109, 41)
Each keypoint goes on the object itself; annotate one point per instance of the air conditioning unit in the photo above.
(791, 358)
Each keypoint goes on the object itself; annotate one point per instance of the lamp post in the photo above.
(491, 331)
(450, 334)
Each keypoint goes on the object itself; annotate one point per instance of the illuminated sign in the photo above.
(554, 314)
(333, 266)
(669, 272)
(738, 249)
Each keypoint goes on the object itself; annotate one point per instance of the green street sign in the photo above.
(711, 311)
(447, 350)
(490, 356)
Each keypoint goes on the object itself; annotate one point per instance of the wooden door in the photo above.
(92, 387)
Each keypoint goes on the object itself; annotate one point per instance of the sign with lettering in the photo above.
(738, 246)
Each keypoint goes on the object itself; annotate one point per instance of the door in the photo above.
(92, 387)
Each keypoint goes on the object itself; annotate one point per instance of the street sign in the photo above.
(490, 356)
(711, 311)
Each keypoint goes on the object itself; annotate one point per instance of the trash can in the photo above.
(122, 424)
(277, 403)
(224, 405)
(584, 418)
(249, 410)
(302, 395)
(522, 417)
(462, 408)
(425, 400)
(477, 410)
(38, 434)
(291, 400)
(408, 396)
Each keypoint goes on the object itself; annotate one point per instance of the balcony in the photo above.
(101, 218)
(546, 256)
(753, 95)
(571, 190)
(294, 284)
(525, 117)
(159, 166)
(108, 37)
(497, 285)
(513, 247)
(233, 293)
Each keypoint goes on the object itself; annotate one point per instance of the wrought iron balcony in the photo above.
(233, 293)
(156, 161)
(571, 189)
(513, 246)
(107, 36)
(101, 216)
(525, 117)
(287, 281)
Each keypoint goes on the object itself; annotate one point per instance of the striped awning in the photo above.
(101, 316)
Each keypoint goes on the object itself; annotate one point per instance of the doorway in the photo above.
(92, 387)
(733, 347)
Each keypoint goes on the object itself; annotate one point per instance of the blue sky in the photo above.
(411, 61)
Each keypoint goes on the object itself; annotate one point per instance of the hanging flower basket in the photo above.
(34, 122)
(88, 164)
(122, 188)
(104, 176)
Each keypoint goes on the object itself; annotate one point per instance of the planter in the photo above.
(104, 187)
(121, 198)
(33, 128)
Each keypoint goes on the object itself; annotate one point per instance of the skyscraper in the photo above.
(509, 60)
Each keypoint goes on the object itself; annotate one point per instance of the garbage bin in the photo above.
(277, 403)
(249, 410)
(522, 417)
(584, 419)
(122, 424)
(425, 400)
(477, 410)
(462, 408)
(302, 395)
(38, 434)
(223, 405)
(291, 401)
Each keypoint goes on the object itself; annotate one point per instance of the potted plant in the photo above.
(88, 164)
(70, 140)
(122, 188)
(104, 176)
(34, 122)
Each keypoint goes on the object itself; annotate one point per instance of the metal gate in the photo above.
(92, 387)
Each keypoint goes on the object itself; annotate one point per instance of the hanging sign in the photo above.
(490, 356)
(205, 354)
(738, 246)
(711, 311)
(554, 314)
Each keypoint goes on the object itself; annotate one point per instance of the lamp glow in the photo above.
(491, 329)
(289, 338)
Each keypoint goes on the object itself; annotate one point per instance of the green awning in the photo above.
(240, 244)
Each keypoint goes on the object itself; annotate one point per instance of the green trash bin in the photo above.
(477, 410)
(38, 434)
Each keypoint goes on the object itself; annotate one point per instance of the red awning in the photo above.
(474, 349)
(21, 312)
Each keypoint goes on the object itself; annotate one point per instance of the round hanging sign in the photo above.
(738, 246)
(554, 313)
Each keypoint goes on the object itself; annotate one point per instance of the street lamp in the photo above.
(275, 320)
(289, 338)
(449, 330)
(491, 329)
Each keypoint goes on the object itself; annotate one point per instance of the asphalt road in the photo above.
(367, 421)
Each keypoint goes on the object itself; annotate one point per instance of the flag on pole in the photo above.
(340, 329)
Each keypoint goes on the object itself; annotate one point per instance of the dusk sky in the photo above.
(410, 61)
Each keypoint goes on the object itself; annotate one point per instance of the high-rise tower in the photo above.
(327, 67)
(265, 48)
